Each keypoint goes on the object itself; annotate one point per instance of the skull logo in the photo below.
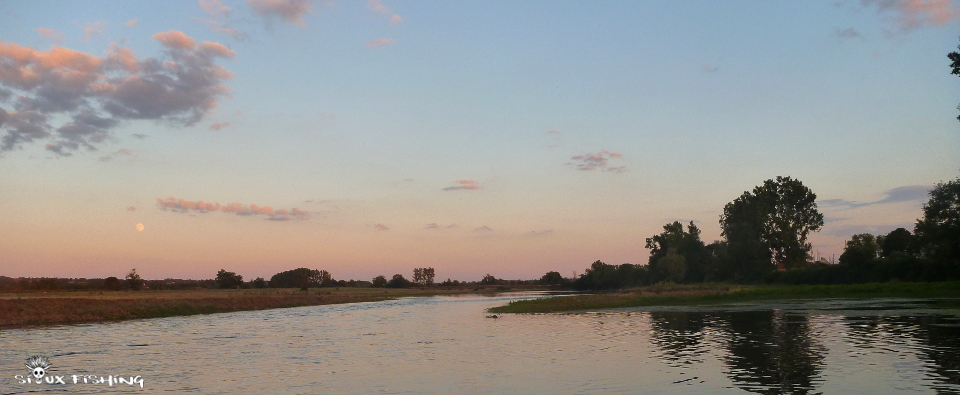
(38, 366)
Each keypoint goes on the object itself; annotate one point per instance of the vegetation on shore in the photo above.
(27, 309)
(720, 294)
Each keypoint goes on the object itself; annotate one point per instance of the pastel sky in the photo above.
(474, 137)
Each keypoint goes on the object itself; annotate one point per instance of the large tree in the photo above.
(768, 227)
(955, 65)
(938, 233)
(685, 244)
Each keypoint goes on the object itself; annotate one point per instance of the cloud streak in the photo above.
(96, 94)
(910, 193)
(379, 42)
(290, 11)
(598, 161)
(463, 185)
(911, 15)
(183, 206)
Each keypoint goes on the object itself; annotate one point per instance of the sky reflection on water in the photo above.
(446, 345)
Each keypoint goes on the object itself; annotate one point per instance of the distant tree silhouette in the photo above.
(398, 282)
(379, 282)
(938, 232)
(134, 281)
(228, 280)
(259, 282)
(302, 278)
(112, 284)
(551, 278)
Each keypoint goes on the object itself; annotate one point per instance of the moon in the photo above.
(139, 227)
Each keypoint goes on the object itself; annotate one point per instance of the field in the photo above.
(46, 308)
(718, 294)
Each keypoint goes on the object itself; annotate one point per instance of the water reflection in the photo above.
(446, 345)
(772, 352)
(935, 337)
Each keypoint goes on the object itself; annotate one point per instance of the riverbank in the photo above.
(50, 308)
(719, 294)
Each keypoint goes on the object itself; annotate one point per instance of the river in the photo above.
(446, 345)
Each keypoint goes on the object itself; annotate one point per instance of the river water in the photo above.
(446, 345)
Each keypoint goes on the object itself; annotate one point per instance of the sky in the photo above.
(476, 137)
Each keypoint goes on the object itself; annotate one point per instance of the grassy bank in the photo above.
(36, 308)
(717, 294)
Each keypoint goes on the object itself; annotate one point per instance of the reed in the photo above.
(38, 308)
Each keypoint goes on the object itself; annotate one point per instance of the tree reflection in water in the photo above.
(772, 352)
(935, 338)
(769, 352)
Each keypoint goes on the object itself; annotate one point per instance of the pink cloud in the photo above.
(380, 8)
(395, 19)
(181, 205)
(483, 228)
(555, 132)
(599, 160)
(219, 16)
(51, 34)
(95, 94)
(219, 125)
(911, 15)
(432, 225)
(291, 11)
(92, 30)
(381, 227)
(175, 40)
(131, 208)
(464, 184)
(379, 42)
(132, 22)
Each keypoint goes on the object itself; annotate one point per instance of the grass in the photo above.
(48, 308)
(715, 294)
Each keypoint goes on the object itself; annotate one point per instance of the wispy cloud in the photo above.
(379, 7)
(432, 225)
(379, 42)
(290, 11)
(381, 227)
(219, 125)
(847, 34)
(463, 185)
(483, 228)
(52, 35)
(710, 68)
(910, 15)
(131, 208)
(133, 22)
(91, 30)
(908, 193)
(95, 94)
(219, 19)
(599, 160)
(182, 206)
(554, 132)
(120, 153)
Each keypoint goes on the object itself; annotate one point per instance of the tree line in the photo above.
(765, 240)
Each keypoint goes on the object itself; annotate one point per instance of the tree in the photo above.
(551, 278)
(259, 282)
(228, 280)
(860, 252)
(325, 279)
(489, 280)
(297, 278)
(112, 284)
(379, 282)
(772, 223)
(134, 281)
(673, 266)
(428, 276)
(938, 233)
(899, 240)
(687, 244)
(955, 65)
(398, 282)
